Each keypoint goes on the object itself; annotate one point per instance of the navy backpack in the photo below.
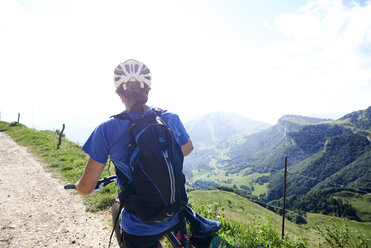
(157, 191)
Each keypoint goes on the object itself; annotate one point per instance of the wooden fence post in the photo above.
(284, 199)
(60, 137)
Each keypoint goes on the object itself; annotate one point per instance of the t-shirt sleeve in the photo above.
(180, 132)
(97, 146)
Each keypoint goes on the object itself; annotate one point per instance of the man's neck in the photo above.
(137, 108)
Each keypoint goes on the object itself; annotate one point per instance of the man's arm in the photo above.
(187, 148)
(89, 179)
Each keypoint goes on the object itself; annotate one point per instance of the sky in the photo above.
(261, 59)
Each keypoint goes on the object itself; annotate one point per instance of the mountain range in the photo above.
(249, 155)
(213, 134)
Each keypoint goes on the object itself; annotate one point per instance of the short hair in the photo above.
(130, 87)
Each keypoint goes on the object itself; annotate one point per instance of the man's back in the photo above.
(112, 138)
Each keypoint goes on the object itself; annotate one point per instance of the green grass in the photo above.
(361, 202)
(239, 180)
(239, 209)
(256, 234)
(355, 228)
(236, 180)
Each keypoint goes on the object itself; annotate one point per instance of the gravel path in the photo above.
(35, 210)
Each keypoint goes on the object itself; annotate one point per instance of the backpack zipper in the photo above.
(171, 176)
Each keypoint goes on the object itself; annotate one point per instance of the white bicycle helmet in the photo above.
(132, 70)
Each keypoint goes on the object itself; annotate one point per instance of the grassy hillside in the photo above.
(355, 174)
(238, 209)
(343, 161)
(358, 119)
(361, 202)
(337, 201)
(339, 154)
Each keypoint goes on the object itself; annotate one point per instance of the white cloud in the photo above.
(327, 26)
(327, 55)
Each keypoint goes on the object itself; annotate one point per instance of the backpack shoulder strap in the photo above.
(158, 111)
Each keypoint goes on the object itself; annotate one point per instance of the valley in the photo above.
(321, 153)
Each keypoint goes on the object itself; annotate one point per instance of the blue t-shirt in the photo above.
(111, 138)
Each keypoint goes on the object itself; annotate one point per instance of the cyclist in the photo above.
(111, 139)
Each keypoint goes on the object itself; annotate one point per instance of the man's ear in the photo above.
(118, 92)
(120, 95)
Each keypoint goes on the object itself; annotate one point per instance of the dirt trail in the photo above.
(35, 210)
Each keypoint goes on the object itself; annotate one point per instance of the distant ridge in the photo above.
(215, 133)
(336, 152)
(219, 126)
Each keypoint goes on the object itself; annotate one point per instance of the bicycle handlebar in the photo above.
(70, 186)
(105, 181)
